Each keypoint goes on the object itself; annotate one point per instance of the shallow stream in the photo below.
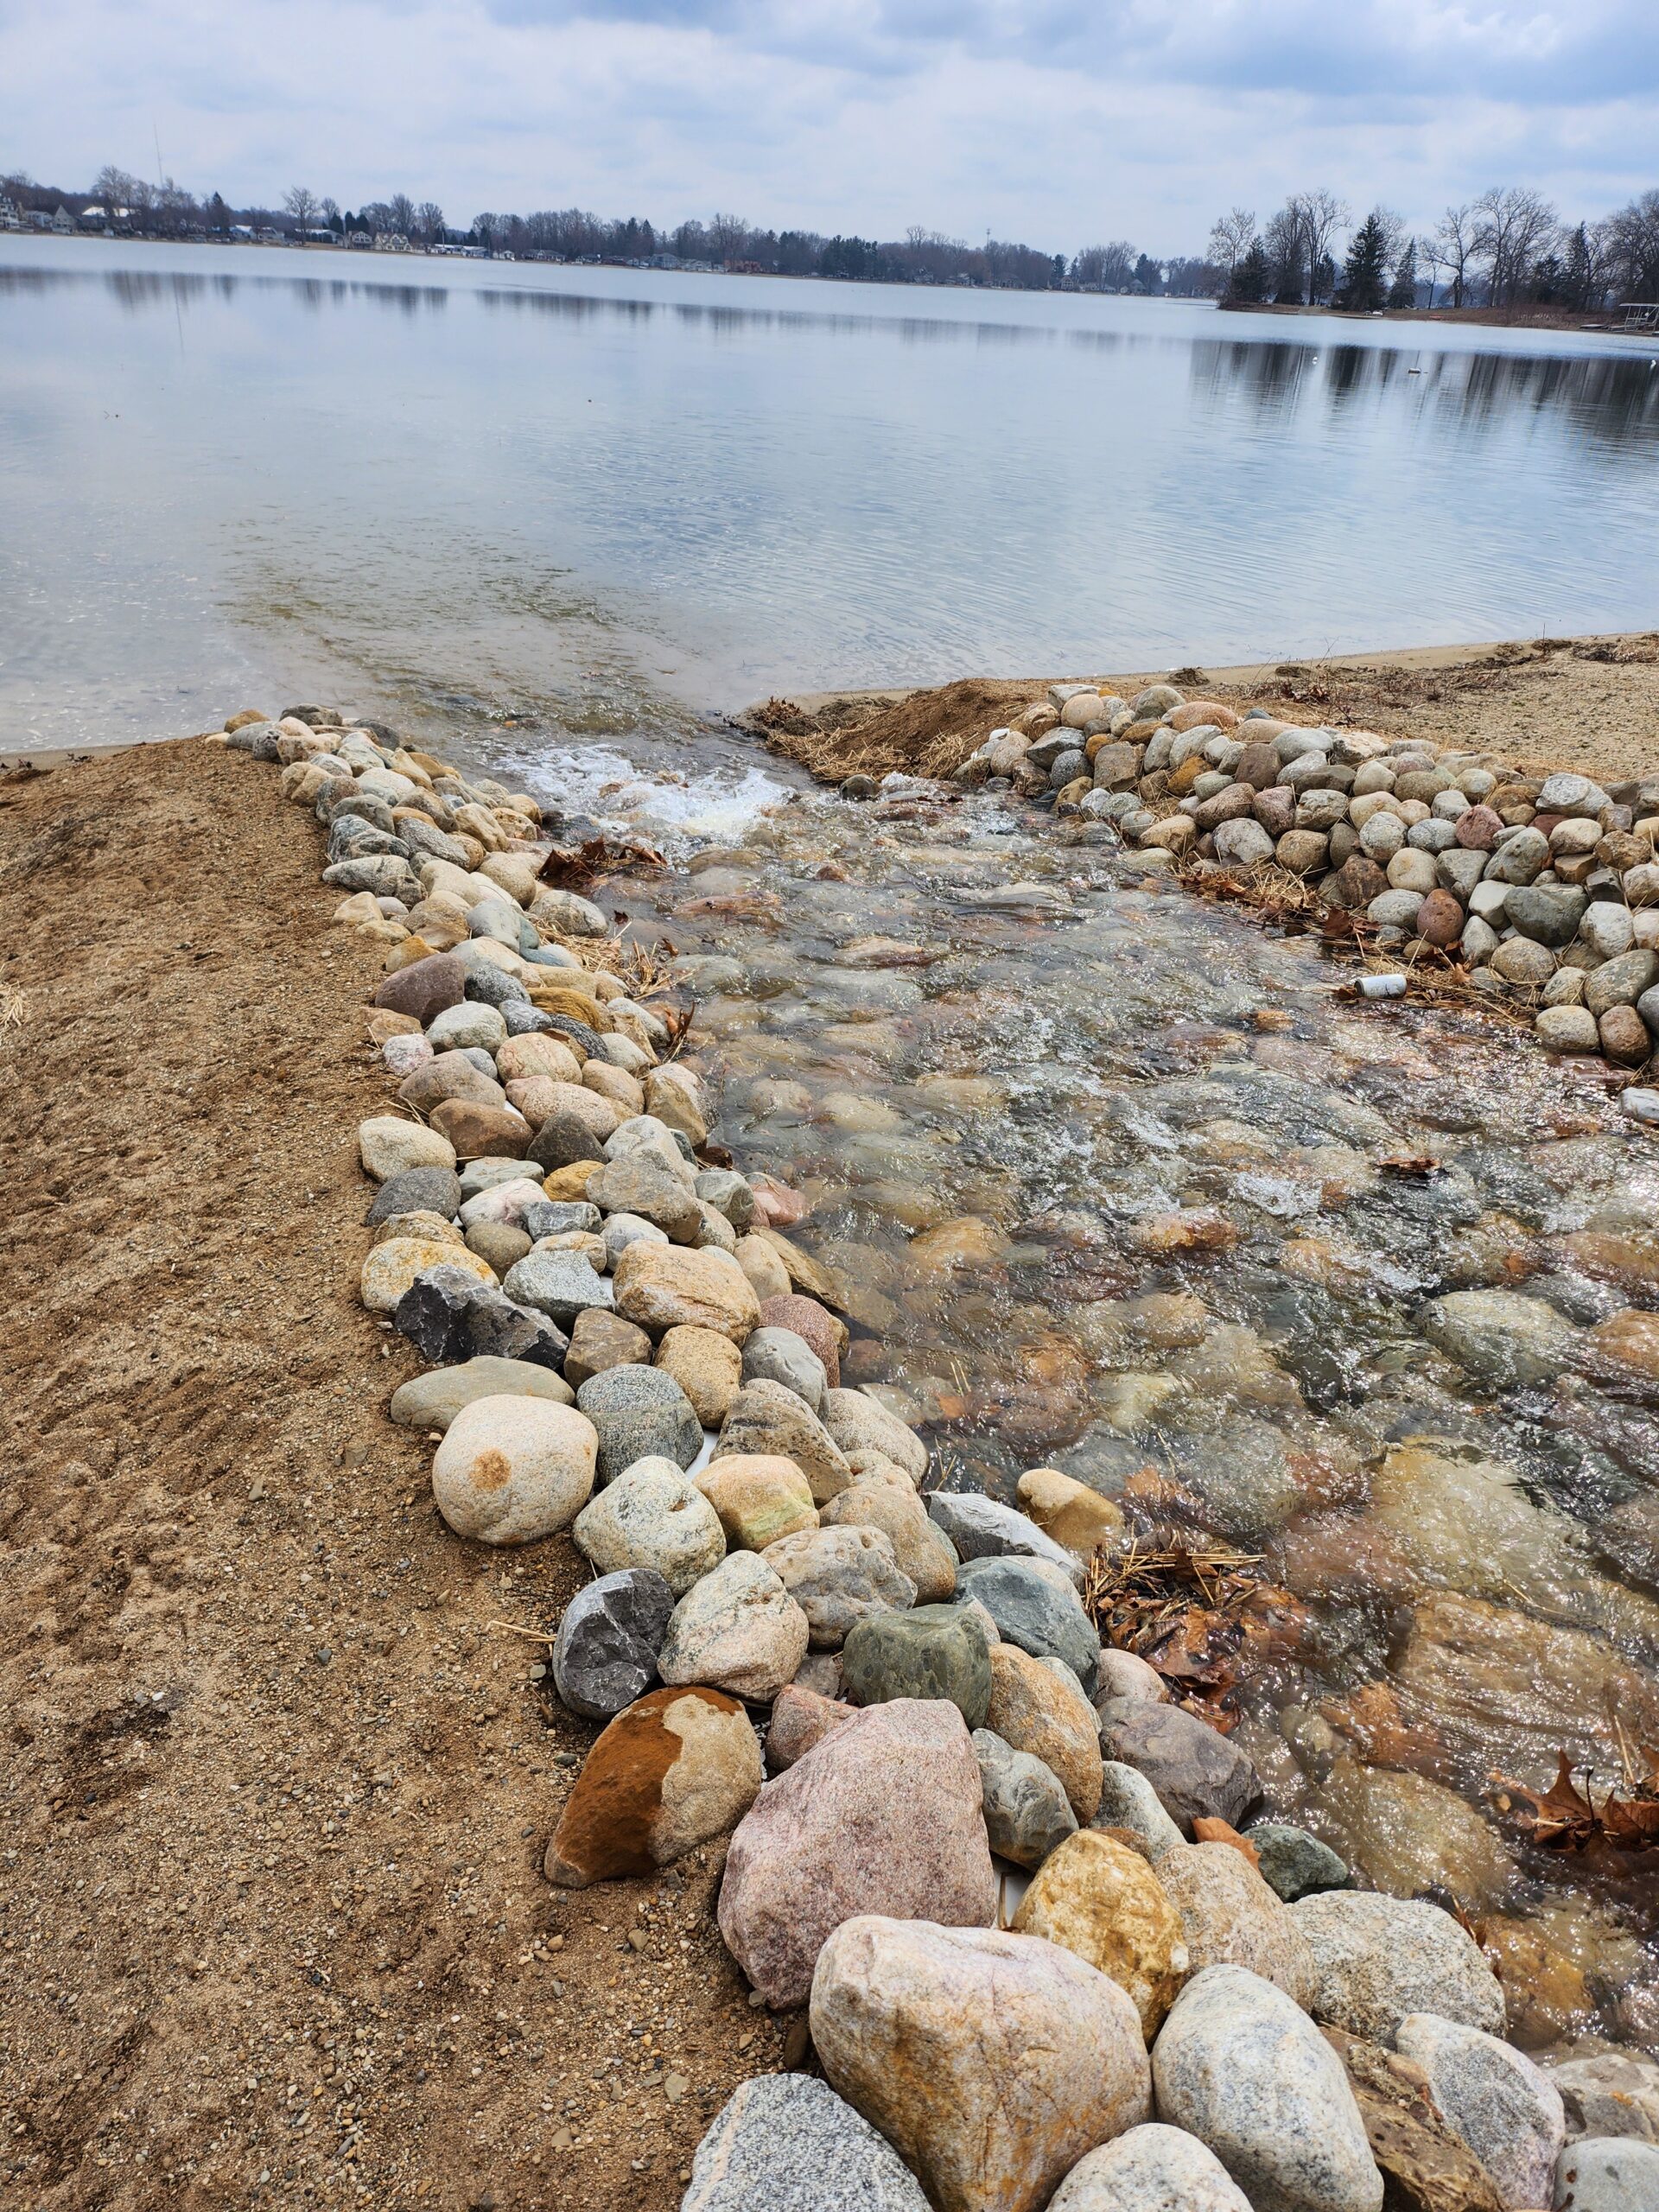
(1114, 1181)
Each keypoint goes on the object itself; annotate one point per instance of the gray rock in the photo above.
(418, 1190)
(484, 1174)
(471, 1024)
(1503, 1338)
(787, 2143)
(981, 1528)
(523, 1020)
(567, 914)
(641, 1413)
(564, 1138)
(560, 1218)
(1549, 913)
(838, 1577)
(1569, 792)
(1240, 2066)
(1128, 1801)
(448, 1315)
(609, 1635)
(934, 1651)
(1609, 2093)
(430, 1402)
(1605, 2173)
(1627, 980)
(560, 1285)
(780, 1356)
(622, 1229)
(653, 1517)
(1295, 1864)
(635, 1183)
(1195, 1772)
(384, 874)
(1518, 858)
(730, 1193)
(1043, 1617)
(492, 986)
(1503, 2106)
(1026, 1810)
(1376, 1959)
(1151, 2167)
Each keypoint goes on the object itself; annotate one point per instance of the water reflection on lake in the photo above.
(601, 501)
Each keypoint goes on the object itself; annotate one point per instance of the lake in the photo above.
(587, 502)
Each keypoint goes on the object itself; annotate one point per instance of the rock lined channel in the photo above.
(1197, 1999)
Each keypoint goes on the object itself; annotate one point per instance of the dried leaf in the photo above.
(1565, 1818)
(1205, 1830)
(1412, 1167)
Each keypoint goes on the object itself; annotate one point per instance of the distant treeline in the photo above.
(1507, 248)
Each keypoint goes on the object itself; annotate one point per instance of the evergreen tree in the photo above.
(1364, 275)
(1252, 275)
(1402, 293)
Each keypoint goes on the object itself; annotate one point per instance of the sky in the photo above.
(1057, 122)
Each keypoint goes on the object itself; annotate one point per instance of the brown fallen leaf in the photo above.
(1413, 1167)
(1206, 1830)
(1565, 1818)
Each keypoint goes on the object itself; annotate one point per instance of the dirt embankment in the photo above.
(1582, 703)
(276, 1786)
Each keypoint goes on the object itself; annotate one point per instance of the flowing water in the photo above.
(1114, 1181)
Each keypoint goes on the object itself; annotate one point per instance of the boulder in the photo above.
(786, 2142)
(1377, 1958)
(561, 1285)
(1129, 1803)
(1150, 2168)
(1238, 2065)
(1043, 1617)
(1425, 2167)
(1034, 1710)
(1094, 1896)
(416, 1190)
(981, 1528)
(511, 1470)
(922, 1551)
(760, 1499)
(1293, 1864)
(652, 1516)
(665, 1287)
(446, 1314)
(389, 1268)
(816, 1326)
(858, 1423)
(766, 1418)
(933, 1652)
(1074, 1517)
(1196, 1772)
(600, 1340)
(432, 1401)
(1604, 2173)
(1230, 1917)
(636, 1182)
(776, 1355)
(674, 1769)
(425, 988)
(1497, 2102)
(1608, 2092)
(605, 1656)
(839, 1576)
(738, 1629)
(389, 1145)
(990, 2062)
(481, 1131)
(885, 1811)
(640, 1412)
(800, 1719)
(1027, 1812)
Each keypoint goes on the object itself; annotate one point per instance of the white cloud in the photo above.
(1053, 120)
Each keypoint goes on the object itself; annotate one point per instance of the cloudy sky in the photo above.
(1060, 122)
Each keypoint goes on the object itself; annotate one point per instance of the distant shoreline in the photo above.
(1592, 321)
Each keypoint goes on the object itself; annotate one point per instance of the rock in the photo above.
(1230, 1917)
(468, 1023)
(1548, 914)
(1034, 1710)
(606, 1653)
(818, 1329)
(652, 1516)
(1519, 858)
(1503, 1338)
(1195, 1772)
(1238, 2065)
(1074, 1516)
(1098, 1899)
(1624, 1036)
(1567, 1029)
(1242, 842)
(416, 1190)
(1608, 2174)
(1567, 793)
(640, 1412)
(561, 1285)
(1376, 1959)
(1409, 1835)
(667, 1774)
(1149, 2169)
(389, 1268)
(1129, 1804)
(857, 1423)
(736, 1629)
(921, 1550)
(990, 2062)
(481, 1131)
(431, 1401)
(1042, 1619)
(1026, 1812)
(801, 1719)
(780, 1356)
(1497, 2102)
(1520, 960)
(499, 1247)
(760, 1498)
(766, 1417)
(425, 988)
(447, 1077)
(930, 1653)
(447, 1314)
(636, 1182)
(787, 2142)
(510, 1470)
(1440, 918)
(838, 1577)
(1425, 2168)
(1608, 2092)
(980, 1527)
(707, 1366)
(1293, 1864)
(602, 1340)
(663, 1287)
(389, 1146)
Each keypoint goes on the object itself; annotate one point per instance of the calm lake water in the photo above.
(598, 501)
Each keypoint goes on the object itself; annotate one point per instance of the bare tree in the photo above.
(1319, 214)
(1286, 248)
(303, 204)
(329, 211)
(728, 235)
(1105, 268)
(1632, 248)
(1514, 225)
(1451, 246)
(403, 213)
(428, 220)
(113, 187)
(1231, 237)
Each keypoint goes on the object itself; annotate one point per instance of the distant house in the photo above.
(62, 222)
(360, 239)
(244, 232)
(11, 214)
(391, 242)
